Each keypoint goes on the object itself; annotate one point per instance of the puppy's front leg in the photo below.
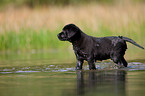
(91, 63)
(79, 64)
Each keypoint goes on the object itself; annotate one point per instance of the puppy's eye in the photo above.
(63, 35)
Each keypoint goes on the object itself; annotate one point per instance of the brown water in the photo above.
(33, 76)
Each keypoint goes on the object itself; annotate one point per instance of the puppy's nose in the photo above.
(57, 35)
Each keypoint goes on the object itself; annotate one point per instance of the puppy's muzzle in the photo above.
(61, 37)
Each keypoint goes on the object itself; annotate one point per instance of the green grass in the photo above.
(46, 41)
(29, 39)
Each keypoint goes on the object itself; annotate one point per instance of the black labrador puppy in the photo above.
(91, 48)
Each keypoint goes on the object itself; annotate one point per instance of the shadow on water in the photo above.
(101, 83)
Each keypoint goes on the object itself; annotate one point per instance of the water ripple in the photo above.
(70, 67)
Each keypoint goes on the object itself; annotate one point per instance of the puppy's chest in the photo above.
(80, 52)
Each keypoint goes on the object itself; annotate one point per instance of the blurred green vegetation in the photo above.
(30, 39)
(33, 3)
(31, 28)
(36, 3)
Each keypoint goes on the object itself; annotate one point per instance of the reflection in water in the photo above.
(101, 83)
(42, 75)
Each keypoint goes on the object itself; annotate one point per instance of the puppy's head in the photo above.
(70, 32)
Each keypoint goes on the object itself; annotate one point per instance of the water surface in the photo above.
(33, 76)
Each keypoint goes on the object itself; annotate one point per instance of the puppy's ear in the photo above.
(72, 33)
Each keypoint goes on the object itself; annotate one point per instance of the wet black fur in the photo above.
(95, 48)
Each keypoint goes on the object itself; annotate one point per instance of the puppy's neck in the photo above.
(79, 40)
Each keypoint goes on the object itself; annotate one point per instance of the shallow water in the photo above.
(47, 77)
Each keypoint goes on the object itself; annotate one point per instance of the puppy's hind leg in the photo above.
(124, 62)
(119, 60)
(115, 59)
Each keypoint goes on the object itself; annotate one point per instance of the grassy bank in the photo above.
(29, 39)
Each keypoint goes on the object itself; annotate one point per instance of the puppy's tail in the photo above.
(131, 41)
